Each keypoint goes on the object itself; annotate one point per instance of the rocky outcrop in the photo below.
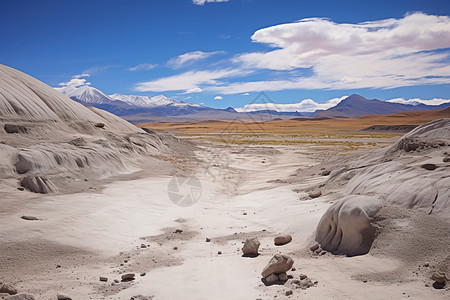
(346, 227)
(277, 265)
(251, 247)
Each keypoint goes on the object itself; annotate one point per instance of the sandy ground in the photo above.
(246, 191)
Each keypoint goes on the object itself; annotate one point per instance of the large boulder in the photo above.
(277, 265)
(345, 228)
(282, 240)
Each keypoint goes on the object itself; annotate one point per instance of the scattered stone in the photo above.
(21, 188)
(175, 248)
(314, 246)
(293, 269)
(104, 279)
(439, 277)
(426, 265)
(100, 125)
(318, 250)
(429, 167)
(143, 274)
(251, 247)
(208, 240)
(315, 194)
(140, 297)
(323, 253)
(272, 278)
(282, 239)
(303, 276)
(446, 159)
(7, 289)
(278, 264)
(178, 231)
(325, 173)
(303, 283)
(244, 213)
(116, 280)
(219, 252)
(288, 293)
(63, 297)
(29, 218)
(128, 277)
(283, 276)
(58, 266)
(20, 297)
(143, 246)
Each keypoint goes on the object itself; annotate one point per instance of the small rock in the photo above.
(315, 194)
(278, 264)
(219, 252)
(175, 248)
(318, 250)
(178, 231)
(116, 280)
(446, 159)
(303, 276)
(21, 188)
(426, 265)
(7, 289)
(272, 278)
(283, 276)
(325, 173)
(323, 252)
(63, 297)
(244, 213)
(288, 293)
(293, 269)
(58, 266)
(282, 239)
(251, 247)
(100, 125)
(143, 274)
(29, 218)
(439, 277)
(104, 279)
(208, 240)
(314, 247)
(143, 246)
(128, 277)
(429, 167)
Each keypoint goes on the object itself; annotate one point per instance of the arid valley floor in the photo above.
(254, 182)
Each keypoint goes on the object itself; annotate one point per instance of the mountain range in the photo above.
(140, 109)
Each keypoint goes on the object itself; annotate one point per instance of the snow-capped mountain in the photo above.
(145, 101)
(86, 94)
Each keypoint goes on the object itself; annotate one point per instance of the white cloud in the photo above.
(75, 82)
(218, 98)
(190, 58)
(186, 81)
(245, 94)
(415, 101)
(143, 67)
(306, 105)
(380, 54)
(194, 90)
(202, 2)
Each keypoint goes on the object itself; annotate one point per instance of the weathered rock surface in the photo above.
(7, 289)
(345, 227)
(38, 184)
(251, 247)
(278, 264)
(20, 297)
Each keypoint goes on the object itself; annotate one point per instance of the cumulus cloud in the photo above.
(202, 2)
(75, 82)
(381, 54)
(218, 98)
(194, 90)
(416, 101)
(186, 81)
(143, 67)
(190, 58)
(306, 105)
(245, 94)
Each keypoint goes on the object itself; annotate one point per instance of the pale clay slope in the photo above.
(412, 173)
(62, 138)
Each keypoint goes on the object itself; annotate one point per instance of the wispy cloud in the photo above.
(75, 82)
(202, 2)
(143, 67)
(194, 90)
(306, 105)
(218, 98)
(188, 81)
(190, 58)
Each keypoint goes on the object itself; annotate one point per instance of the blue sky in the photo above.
(197, 51)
